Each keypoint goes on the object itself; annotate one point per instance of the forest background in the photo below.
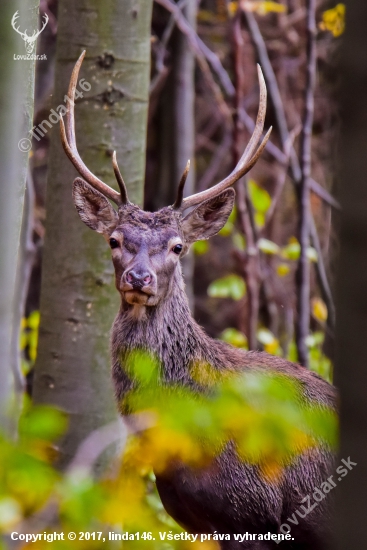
(161, 84)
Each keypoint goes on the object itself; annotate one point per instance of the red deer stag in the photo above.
(231, 497)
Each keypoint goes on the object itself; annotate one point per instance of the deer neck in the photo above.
(167, 330)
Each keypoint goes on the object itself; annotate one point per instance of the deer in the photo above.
(30, 41)
(231, 496)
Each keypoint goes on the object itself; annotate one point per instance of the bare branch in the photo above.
(323, 194)
(303, 270)
(96, 443)
(276, 153)
(201, 50)
(281, 180)
(250, 260)
(161, 51)
(294, 162)
(216, 162)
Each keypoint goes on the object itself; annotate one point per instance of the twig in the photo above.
(96, 443)
(281, 180)
(204, 55)
(216, 162)
(204, 137)
(294, 164)
(323, 194)
(250, 260)
(195, 43)
(303, 270)
(201, 50)
(161, 51)
(276, 153)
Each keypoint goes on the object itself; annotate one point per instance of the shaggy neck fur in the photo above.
(170, 334)
(167, 330)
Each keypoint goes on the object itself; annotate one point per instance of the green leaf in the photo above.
(239, 241)
(259, 219)
(268, 247)
(42, 422)
(260, 198)
(292, 250)
(231, 286)
(227, 229)
(234, 337)
(315, 339)
(233, 215)
(200, 247)
(142, 366)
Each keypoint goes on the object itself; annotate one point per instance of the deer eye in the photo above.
(114, 243)
(177, 249)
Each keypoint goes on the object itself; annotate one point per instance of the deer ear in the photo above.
(93, 208)
(208, 218)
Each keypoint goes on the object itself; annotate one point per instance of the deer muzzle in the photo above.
(138, 286)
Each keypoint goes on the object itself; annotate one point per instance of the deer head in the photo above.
(146, 247)
(30, 41)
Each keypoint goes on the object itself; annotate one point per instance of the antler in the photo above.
(15, 17)
(244, 165)
(181, 186)
(69, 143)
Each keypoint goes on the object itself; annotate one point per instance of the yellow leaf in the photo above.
(262, 7)
(283, 269)
(319, 309)
(268, 340)
(232, 8)
(334, 20)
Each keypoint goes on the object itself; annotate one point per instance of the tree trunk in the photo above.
(351, 334)
(177, 131)
(16, 114)
(78, 299)
(184, 75)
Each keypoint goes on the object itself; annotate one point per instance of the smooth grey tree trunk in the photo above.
(184, 75)
(78, 299)
(177, 131)
(16, 114)
(351, 334)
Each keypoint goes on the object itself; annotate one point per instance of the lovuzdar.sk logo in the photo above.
(29, 40)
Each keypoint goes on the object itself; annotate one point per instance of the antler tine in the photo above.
(248, 159)
(120, 180)
(260, 120)
(181, 186)
(69, 142)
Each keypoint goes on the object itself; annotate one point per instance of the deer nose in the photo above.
(138, 280)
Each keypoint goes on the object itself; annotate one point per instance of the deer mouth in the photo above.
(137, 297)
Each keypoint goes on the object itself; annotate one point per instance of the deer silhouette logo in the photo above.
(30, 41)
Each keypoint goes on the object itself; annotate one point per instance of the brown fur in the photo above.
(229, 496)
